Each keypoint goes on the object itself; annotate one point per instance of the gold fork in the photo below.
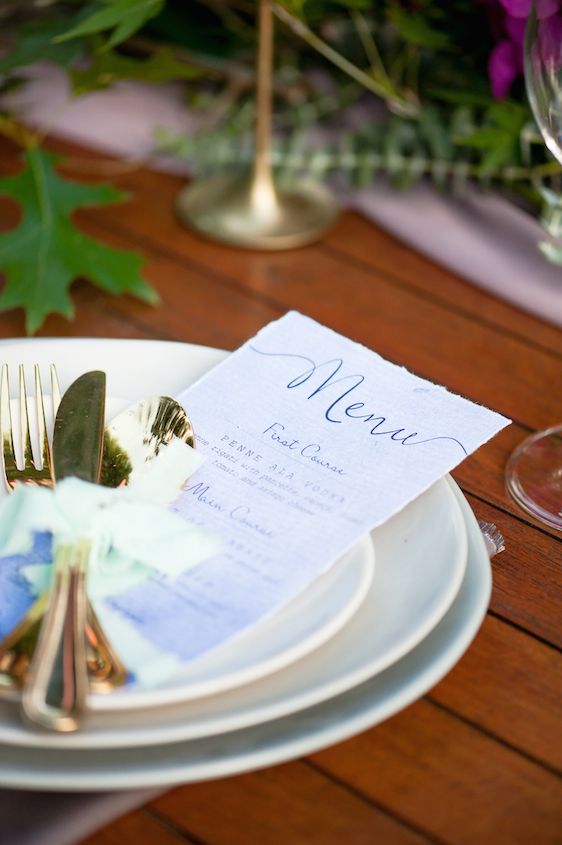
(104, 667)
(31, 473)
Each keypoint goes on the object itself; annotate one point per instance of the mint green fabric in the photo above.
(130, 537)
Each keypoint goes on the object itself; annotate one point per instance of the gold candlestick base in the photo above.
(240, 211)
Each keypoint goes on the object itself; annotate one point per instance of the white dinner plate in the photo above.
(283, 739)
(397, 612)
(424, 548)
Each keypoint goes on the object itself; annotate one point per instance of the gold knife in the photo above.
(55, 691)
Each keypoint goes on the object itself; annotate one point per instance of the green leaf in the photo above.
(499, 138)
(46, 252)
(483, 139)
(461, 98)
(414, 28)
(35, 43)
(319, 10)
(109, 67)
(123, 17)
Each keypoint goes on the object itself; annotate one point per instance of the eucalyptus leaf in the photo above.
(436, 132)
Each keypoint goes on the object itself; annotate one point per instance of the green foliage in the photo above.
(318, 9)
(414, 28)
(405, 151)
(46, 252)
(424, 61)
(108, 67)
(119, 18)
(499, 137)
(35, 43)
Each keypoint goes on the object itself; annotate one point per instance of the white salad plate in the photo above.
(287, 635)
(303, 732)
(423, 554)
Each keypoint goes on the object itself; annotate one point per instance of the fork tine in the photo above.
(55, 390)
(24, 422)
(8, 451)
(44, 449)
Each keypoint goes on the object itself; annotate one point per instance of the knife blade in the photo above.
(79, 427)
(54, 695)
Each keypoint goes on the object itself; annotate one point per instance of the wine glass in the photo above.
(534, 470)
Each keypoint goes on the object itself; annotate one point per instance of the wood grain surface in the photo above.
(478, 759)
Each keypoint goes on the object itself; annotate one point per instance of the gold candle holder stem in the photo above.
(247, 208)
(263, 188)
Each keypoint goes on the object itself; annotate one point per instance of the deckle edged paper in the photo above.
(311, 440)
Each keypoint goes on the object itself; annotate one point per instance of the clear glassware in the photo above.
(534, 470)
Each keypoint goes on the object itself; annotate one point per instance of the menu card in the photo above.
(311, 440)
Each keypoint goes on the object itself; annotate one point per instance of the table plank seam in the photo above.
(253, 296)
(152, 332)
(497, 615)
(345, 257)
(273, 302)
(171, 826)
(435, 265)
(519, 516)
(378, 805)
(151, 247)
(494, 736)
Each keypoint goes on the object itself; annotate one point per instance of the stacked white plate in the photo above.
(362, 642)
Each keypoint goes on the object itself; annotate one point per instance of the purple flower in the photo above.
(515, 29)
(504, 66)
(521, 8)
(506, 59)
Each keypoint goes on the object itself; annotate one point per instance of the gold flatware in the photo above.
(16, 649)
(56, 687)
(54, 695)
(31, 472)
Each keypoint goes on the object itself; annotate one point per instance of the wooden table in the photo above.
(477, 760)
